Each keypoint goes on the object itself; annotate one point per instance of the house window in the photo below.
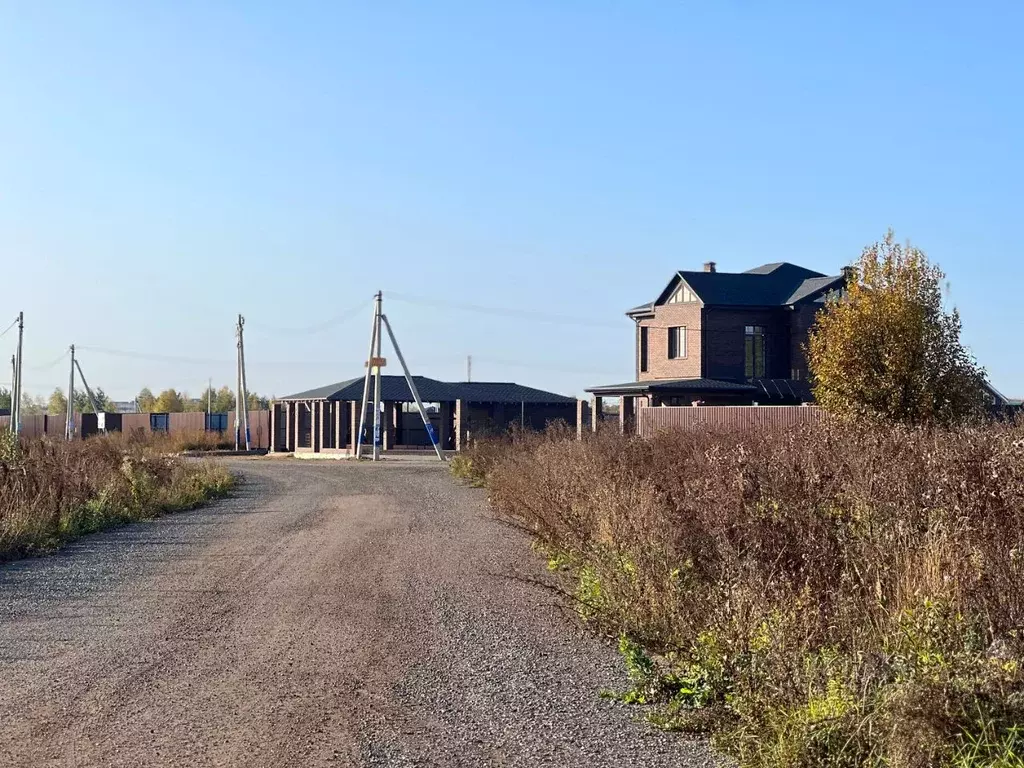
(683, 295)
(677, 342)
(643, 349)
(754, 335)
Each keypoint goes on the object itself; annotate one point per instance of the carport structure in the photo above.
(326, 420)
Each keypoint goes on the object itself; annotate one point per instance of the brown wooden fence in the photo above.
(650, 421)
(54, 426)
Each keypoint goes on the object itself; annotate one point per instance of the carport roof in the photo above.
(395, 388)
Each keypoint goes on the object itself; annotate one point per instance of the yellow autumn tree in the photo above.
(887, 348)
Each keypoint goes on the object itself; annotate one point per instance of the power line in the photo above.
(9, 327)
(48, 365)
(522, 314)
(341, 317)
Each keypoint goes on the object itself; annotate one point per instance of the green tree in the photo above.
(57, 404)
(886, 347)
(5, 398)
(224, 400)
(258, 402)
(84, 405)
(168, 401)
(32, 406)
(145, 400)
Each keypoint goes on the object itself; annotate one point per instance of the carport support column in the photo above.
(338, 434)
(596, 412)
(582, 410)
(320, 424)
(446, 425)
(288, 447)
(353, 425)
(461, 422)
(388, 437)
(627, 409)
(273, 426)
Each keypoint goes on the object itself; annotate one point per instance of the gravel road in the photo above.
(331, 613)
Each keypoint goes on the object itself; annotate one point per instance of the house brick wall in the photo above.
(658, 364)
(716, 343)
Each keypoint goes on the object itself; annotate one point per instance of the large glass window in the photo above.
(755, 348)
(677, 342)
(643, 349)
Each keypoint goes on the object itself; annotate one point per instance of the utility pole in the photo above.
(100, 416)
(377, 364)
(238, 388)
(14, 389)
(469, 368)
(366, 383)
(412, 388)
(245, 388)
(209, 398)
(69, 431)
(17, 384)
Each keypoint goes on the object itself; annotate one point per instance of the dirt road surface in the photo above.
(331, 614)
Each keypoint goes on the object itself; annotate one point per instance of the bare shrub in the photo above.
(53, 490)
(840, 594)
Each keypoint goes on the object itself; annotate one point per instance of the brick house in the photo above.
(725, 338)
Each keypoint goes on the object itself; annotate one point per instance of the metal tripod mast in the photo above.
(415, 392)
(374, 330)
(377, 363)
(95, 404)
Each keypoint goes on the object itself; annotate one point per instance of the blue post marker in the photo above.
(432, 434)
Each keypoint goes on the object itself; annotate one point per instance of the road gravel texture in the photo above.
(329, 614)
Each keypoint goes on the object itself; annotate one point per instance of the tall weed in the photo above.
(824, 596)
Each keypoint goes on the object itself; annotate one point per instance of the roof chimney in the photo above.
(709, 266)
(849, 273)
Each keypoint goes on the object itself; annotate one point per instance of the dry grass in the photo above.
(177, 442)
(51, 490)
(828, 596)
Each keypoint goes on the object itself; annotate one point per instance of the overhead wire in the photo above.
(49, 365)
(542, 317)
(8, 328)
(338, 319)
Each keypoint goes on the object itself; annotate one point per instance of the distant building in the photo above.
(125, 406)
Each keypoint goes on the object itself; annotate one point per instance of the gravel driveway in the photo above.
(332, 613)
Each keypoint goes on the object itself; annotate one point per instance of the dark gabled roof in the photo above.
(395, 388)
(323, 393)
(815, 285)
(674, 385)
(770, 285)
(643, 309)
(504, 392)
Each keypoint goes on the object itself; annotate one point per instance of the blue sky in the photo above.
(164, 166)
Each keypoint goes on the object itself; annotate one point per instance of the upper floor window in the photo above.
(643, 349)
(754, 337)
(677, 342)
(682, 295)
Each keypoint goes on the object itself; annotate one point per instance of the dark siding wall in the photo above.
(801, 320)
(726, 343)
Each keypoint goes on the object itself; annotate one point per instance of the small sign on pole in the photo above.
(378, 362)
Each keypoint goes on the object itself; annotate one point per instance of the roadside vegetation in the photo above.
(52, 491)
(836, 595)
(844, 594)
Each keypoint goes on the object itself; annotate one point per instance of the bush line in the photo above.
(52, 491)
(842, 595)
